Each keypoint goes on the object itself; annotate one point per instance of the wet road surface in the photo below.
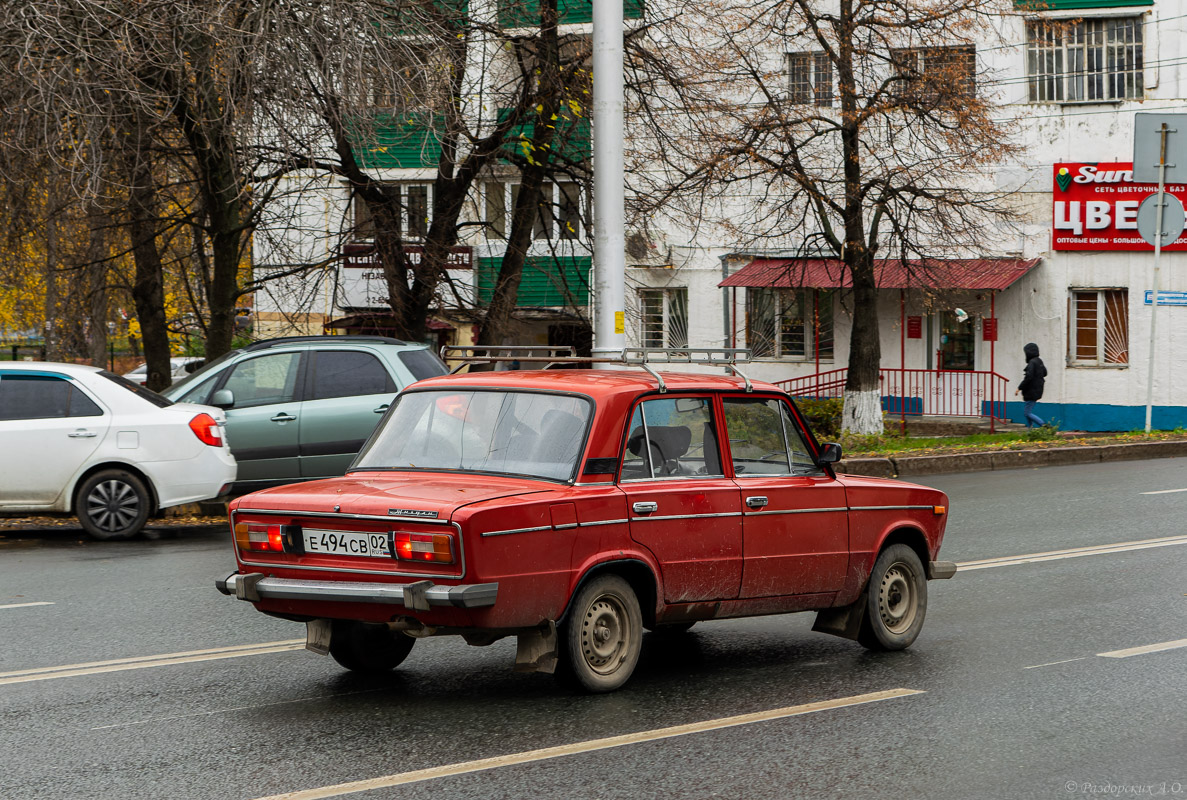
(1038, 679)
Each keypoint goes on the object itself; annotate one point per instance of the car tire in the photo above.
(113, 504)
(368, 647)
(896, 600)
(601, 639)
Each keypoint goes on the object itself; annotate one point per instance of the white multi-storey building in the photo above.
(1072, 277)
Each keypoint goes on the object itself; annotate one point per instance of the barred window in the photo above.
(1084, 61)
(810, 78)
(1100, 327)
(663, 317)
(937, 73)
(789, 323)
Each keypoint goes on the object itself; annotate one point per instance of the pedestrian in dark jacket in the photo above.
(1031, 387)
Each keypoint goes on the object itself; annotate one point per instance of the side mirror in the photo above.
(830, 453)
(223, 398)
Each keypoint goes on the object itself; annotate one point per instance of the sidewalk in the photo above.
(908, 466)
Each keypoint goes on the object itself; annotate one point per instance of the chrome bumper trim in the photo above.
(254, 587)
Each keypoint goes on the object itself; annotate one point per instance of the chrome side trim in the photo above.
(336, 515)
(475, 595)
(599, 483)
(565, 527)
(667, 478)
(602, 522)
(517, 530)
(686, 516)
(795, 511)
(890, 508)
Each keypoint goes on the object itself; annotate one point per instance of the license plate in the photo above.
(345, 543)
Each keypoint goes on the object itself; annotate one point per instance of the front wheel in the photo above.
(368, 647)
(112, 504)
(601, 640)
(896, 600)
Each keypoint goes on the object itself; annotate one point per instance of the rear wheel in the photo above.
(601, 640)
(896, 600)
(112, 504)
(368, 647)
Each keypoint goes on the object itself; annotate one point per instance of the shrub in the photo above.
(823, 417)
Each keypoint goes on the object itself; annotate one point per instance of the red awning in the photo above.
(890, 273)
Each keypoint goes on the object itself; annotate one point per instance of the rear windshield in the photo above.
(423, 364)
(137, 389)
(502, 432)
(197, 373)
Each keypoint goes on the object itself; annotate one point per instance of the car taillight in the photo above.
(207, 430)
(264, 537)
(432, 547)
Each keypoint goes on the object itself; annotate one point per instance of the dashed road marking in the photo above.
(1141, 651)
(1074, 552)
(1166, 491)
(590, 746)
(1053, 663)
(25, 605)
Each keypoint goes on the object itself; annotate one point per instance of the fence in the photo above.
(948, 393)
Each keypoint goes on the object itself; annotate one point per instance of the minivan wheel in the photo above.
(603, 635)
(896, 600)
(112, 504)
(368, 647)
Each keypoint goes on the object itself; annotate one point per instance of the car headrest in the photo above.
(672, 441)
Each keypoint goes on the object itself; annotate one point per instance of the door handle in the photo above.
(756, 502)
(382, 408)
(645, 508)
(81, 434)
(283, 417)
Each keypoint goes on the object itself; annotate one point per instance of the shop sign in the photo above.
(1167, 298)
(1095, 207)
(361, 283)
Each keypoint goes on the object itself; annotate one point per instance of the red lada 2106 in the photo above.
(574, 509)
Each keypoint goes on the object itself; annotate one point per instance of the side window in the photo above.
(43, 397)
(263, 380)
(672, 437)
(801, 454)
(347, 373)
(758, 444)
(423, 364)
(200, 394)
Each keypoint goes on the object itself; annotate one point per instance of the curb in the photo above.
(909, 466)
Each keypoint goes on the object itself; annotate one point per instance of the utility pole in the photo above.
(609, 200)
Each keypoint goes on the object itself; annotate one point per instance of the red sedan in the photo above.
(575, 508)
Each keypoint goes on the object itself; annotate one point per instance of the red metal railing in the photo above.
(949, 393)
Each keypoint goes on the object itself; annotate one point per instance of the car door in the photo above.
(347, 393)
(681, 505)
(795, 521)
(49, 427)
(263, 421)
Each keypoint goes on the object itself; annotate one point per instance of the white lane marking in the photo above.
(1166, 491)
(1074, 552)
(143, 662)
(1053, 663)
(26, 605)
(1150, 648)
(237, 708)
(587, 746)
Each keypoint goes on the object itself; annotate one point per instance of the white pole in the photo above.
(1162, 132)
(609, 201)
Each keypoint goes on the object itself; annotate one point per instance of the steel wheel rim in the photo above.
(112, 505)
(605, 633)
(897, 598)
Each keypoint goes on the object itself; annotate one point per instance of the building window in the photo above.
(664, 317)
(810, 78)
(1100, 327)
(1084, 61)
(415, 211)
(937, 72)
(559, 216)
(789, 323)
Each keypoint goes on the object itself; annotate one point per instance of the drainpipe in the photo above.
(727, 327)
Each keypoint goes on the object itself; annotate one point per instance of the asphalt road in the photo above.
(1005, 695)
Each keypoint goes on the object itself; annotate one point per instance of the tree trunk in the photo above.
(148, 291)
(95, 272)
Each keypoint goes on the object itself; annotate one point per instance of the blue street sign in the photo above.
(1168, 298)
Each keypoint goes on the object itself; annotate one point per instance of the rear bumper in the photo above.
(940, 570)
(419, 596)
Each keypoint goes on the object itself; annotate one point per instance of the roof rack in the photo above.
(631, 356)
(283, 340)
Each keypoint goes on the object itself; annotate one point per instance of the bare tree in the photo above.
(852, 130)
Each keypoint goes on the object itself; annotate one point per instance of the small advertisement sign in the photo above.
(1167, 298)
(1095, 207)
(914, 327)
(361, 283)
(989, 329)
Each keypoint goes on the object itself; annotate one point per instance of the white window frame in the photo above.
(549, 224)
(818, 299)
(1100, 360)
(668, 315)
(363, 230)
(810, 78)
(1059, 51)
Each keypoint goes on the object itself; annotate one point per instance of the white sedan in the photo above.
(179, 367)
(78, 439)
